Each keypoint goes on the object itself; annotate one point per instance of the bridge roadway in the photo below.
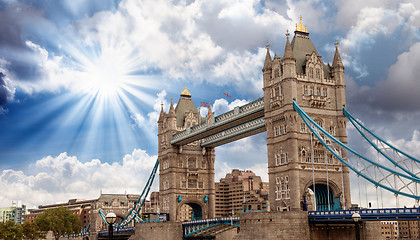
(385, 214)
(208, 228)
(238, 123)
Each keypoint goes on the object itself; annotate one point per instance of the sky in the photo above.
(69, 129)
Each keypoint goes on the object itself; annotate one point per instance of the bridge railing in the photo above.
(385, 214)
(238, 112)
(212, 220)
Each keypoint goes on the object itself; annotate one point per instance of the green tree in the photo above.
(60, 221)
(11, 231)
(31, 231)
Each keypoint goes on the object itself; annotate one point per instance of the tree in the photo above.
(31, 231)
(10, 231)
(60, 221)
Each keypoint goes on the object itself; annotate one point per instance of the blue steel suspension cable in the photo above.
(307, 119)
(374, 135)
(136, 208)
(304, 115)
(143, 195)
(357, 125)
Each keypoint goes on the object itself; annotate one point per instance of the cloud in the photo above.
(370, 22)
(221, 105)
(398, 92)
(197, 40)
(57, 179)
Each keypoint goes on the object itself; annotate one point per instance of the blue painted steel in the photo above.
(198, 225)
(385, 214)
(307, 119)
(139, 203)
(357, 125)
(386, 143)
(322, 200)
(118, 231)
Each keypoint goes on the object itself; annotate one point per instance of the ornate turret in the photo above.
(171, 112)
(268, 61)
(337, 59)
(288, 51)
(162, 114)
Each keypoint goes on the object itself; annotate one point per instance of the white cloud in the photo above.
(206, 41)
(370, 23)
(57, 179)
(221, 105)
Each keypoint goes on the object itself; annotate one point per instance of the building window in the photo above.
(303, 128)
(332, 130)
(192, 183)
(277, 91)
(192, 163)
(305, 90)
(311, 72)
(311, 91)
(276, 73)
(183, 184)
(284, 158)
(200, 185)
(318, 74)
(165, 185)
(165, 165)
(318, 91)
(180, 163)
(324, 92)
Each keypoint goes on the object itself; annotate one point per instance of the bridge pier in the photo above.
(295, 225)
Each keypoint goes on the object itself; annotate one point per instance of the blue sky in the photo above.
(69, 130)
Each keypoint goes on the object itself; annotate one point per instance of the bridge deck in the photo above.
(386, 214)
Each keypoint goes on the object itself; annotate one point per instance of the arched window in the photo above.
(192, 163)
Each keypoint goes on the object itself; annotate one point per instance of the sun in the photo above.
(105, 75)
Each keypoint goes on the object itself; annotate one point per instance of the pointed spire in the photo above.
(337, 59)
(267, 63)
(162, 113)
(185, 93)
(209, 113)
(300, 27)
(171, 109)
(288, 52)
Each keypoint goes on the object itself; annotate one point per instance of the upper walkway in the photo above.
(238, 123)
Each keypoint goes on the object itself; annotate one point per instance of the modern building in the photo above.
(80, 207)
(15, 213)
(241, 191)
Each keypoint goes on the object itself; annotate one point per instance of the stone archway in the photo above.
(190, 210)
(324, 197)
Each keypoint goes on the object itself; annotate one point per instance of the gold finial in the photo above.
(336, 43)
(287, 33)
(172, 101)
(267, 45)
(300, 27)
(185, 92)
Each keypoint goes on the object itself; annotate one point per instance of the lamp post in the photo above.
(356, 218)
(110, 219)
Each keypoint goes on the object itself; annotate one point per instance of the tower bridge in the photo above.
(309, 161)
(187, 140)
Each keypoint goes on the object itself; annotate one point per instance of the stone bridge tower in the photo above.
(320, 90)
(186, 178)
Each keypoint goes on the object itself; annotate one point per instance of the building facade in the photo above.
(241, 191)
(15, 213)
(186, 175)
(81, 207)
(319, 89)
